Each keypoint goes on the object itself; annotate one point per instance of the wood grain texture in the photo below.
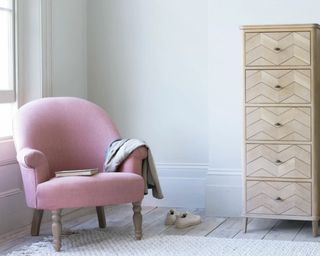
(280, 27)
(315, 227)
(316, 123)
(278, 123)
(56, 229)
(36, 222)
(285, 230)
(278, 86)
(101, 216)
(137, 220)
(282, 121)
(229, 228)
(278, 48)
(257, 229)
(278, 160)
(279, 198)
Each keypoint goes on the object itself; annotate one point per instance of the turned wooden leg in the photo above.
(101, 216)
(56, 229)
(36, 222)
(245, 224)
(137, 220)
(315, 228)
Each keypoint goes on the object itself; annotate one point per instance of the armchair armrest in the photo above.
(31, 158)
(133, 164)
(34, 170)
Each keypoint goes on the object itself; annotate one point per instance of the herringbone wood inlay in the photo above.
(278, 123)
(281, 122)
(284, 198)
(278, 48)
(278, 86)
(272, 160)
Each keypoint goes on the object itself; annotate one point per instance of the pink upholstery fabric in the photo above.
(62, 133)
(72, 133)
(100, 189)
(134, 163)
(34, 170)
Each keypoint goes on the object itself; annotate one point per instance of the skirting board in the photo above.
(183, 185)
(224, 192)
(187, 185)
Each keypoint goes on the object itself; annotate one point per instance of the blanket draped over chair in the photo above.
(120, 149)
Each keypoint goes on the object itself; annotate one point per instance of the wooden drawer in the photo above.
(278, 86)
(279, 198)
(277, 48)
(273, 160)
(278, 123)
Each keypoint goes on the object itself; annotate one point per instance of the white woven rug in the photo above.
(106, 242)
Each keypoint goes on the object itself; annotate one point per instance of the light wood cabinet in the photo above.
(278, 123)
(277, 48)
(279, 198)
(278, 86)
(282, 122)
(278, 161)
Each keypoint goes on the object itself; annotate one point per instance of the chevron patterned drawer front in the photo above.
(278, 123)
(278, 160)
(282, 122)
(280, 198)
(279, 48)
(278, 86)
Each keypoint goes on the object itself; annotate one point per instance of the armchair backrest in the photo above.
(72, 133)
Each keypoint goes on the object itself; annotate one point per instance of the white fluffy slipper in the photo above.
(171, 217)
(187, 219)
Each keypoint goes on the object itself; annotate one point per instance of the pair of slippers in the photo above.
(181, 220)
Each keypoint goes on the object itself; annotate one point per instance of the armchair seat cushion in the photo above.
(89, 191)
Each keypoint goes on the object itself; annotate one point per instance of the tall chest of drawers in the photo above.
(282, 122)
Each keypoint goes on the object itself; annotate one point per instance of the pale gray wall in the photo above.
(69, 47)
(147, 66)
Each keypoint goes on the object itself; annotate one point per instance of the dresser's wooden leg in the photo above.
(56, 229)
(315, 224)
(137, 220)
(245, 224)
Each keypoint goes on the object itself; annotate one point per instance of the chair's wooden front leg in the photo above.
(36, 222)
(137, 219)
(101, 216)
(56, 229)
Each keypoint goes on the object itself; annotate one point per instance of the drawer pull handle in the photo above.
(279, 198)
(278, 161)
(277, 124)
(278, 87)
(277, 49)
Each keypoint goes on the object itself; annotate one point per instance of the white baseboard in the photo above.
(194, 185)
(224, 192)
(183, 185)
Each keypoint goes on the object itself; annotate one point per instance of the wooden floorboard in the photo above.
(120, 218)
(285, 230)
(305, 233)
(257, 229)
(228, 229)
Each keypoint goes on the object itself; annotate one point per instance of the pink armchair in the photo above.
(62, 133)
